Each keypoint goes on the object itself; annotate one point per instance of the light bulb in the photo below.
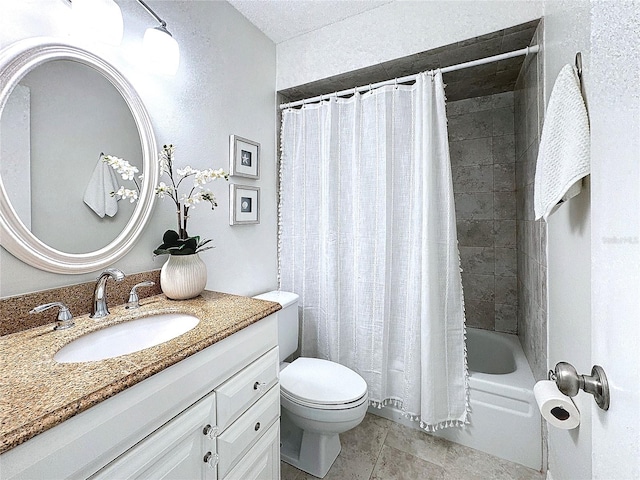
(98, 20)
(161, 51)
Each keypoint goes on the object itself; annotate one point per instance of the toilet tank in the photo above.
(288, 324)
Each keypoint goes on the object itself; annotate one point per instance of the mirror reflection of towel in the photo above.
(98, 193)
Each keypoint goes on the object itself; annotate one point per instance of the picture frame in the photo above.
(244, 157)
(244, 204)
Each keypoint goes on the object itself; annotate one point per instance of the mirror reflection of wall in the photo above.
(76, 114)
(15, 152)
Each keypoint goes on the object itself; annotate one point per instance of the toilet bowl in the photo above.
(319, 399)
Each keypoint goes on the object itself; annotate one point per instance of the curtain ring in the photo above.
(396, 83)
(369, 87)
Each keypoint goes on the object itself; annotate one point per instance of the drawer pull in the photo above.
(211, 432)
(211, 459)
(259, 386)
(257, 427)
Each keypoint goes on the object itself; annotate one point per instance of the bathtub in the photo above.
(505, 420)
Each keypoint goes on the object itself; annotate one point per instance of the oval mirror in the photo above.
(61, 107)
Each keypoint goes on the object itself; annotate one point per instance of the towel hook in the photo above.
(579, 64)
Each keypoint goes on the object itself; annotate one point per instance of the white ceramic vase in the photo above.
(183, 276)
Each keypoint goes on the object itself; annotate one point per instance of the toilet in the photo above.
(319, 399)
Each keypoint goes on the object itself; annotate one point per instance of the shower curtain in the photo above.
(367, 238)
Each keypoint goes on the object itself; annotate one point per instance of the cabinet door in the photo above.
(262, 462)
(177, 450)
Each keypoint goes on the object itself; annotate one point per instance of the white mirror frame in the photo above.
(15, 62)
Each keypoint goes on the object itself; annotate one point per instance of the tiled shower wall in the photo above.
(532, 235)
(482, 147)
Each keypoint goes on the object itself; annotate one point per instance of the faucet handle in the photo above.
(134, 299)
(65, 318)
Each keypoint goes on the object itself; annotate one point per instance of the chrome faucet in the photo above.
(99, 307)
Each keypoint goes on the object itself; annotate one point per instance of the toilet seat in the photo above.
(322, 384)
(321, 406)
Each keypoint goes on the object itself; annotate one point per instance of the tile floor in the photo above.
(379, 449)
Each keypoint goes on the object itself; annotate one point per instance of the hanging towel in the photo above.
(563, 157)
(98, 193)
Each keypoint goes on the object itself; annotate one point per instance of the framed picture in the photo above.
(244, 202)
(244, 157)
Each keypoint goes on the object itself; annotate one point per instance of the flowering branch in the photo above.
(174, 243)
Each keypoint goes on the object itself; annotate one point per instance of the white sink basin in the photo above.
(127, 337)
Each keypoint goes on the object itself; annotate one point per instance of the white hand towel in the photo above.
(564, 154)
(98, 193)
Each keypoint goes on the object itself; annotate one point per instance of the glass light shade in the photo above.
(161, 51)
(98, 20)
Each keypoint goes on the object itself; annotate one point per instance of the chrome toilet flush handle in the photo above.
(65, 318)
(259, 386)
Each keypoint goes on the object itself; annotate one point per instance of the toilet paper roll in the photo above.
(556, 408)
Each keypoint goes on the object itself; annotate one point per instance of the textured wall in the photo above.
(481, 140)
(532, 257)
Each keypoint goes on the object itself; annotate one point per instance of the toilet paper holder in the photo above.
(570, 383)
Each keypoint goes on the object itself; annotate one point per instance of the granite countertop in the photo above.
(37, 393)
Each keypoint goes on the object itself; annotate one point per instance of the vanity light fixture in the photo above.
(161, 50)
(101, 19)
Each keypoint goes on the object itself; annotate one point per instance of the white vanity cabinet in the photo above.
(214, 415)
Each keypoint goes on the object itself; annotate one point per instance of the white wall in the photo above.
(392, 31)
(615, 156)
(225, 85)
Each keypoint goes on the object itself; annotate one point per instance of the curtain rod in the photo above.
(409, 78)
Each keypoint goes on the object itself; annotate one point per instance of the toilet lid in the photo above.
(321, 382)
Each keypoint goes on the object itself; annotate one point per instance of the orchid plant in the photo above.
(174, 242)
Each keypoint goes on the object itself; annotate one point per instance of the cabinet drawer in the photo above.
(262, 462)
(234, 443)
(243, 389)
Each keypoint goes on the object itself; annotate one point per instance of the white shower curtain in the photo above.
(368, 240)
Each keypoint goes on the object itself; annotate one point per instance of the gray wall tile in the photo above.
(504, 205)
(505, 232)
(473, 179)
(504, 177)
(506, 290)
(479, 314)
(477, 260)
(475, 233)
(503, 149)
(531, 236)
(506, 318)
(482, 134)
(503, 123)
(478, 287)
(502, 100)
(470, 105)
(471, 125)
(474, 206)
(477, 151)
(506, 261)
